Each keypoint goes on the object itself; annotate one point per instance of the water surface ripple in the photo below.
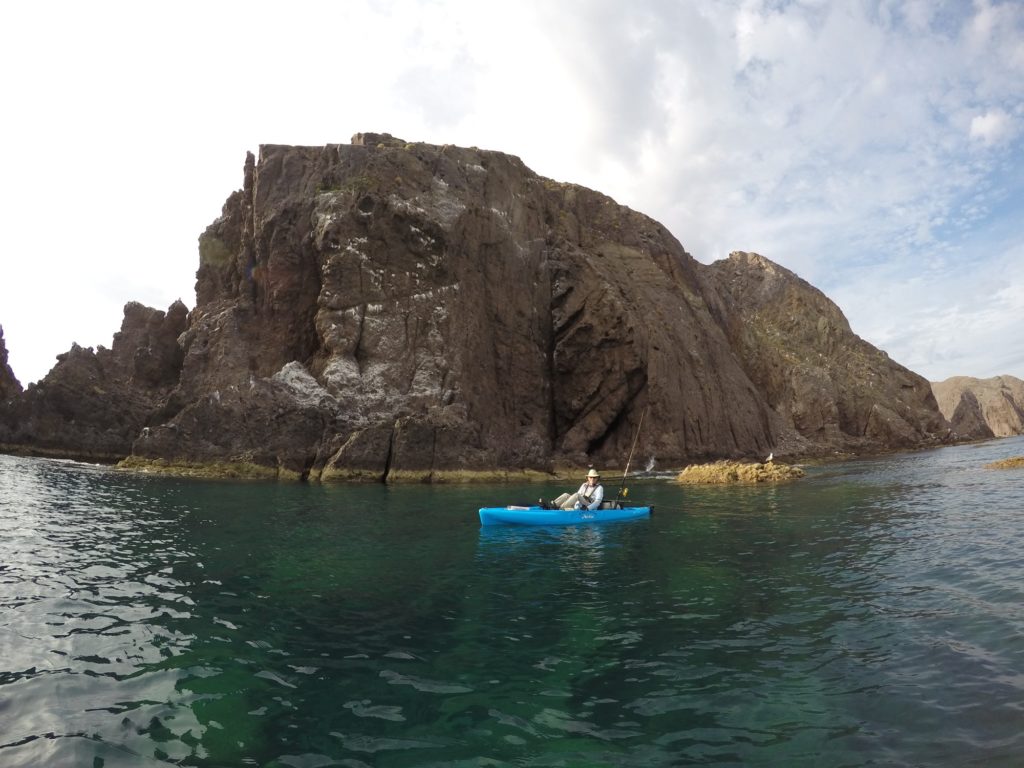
(872, 614)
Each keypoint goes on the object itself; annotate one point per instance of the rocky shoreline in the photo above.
(405, 312)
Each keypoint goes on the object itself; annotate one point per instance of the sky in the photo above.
(874, 148)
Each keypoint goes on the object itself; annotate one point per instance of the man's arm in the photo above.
(598, 498)
(580, 496)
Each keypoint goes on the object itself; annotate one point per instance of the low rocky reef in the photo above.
(250, 470)
(1017, 462)
(727, 472)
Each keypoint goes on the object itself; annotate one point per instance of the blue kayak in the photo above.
(542, 516)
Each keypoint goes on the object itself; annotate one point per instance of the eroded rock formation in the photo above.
(9, 384)
(980, 408)
(387, 310)
(93, 404)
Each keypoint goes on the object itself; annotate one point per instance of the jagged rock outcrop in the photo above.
(9, 384)
(93, 404)
(393, 310)
(982, 408)
(825, 382)
(462, 313)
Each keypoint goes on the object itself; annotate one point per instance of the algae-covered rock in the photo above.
(230, 470)
(1017, 462)
(722, 472)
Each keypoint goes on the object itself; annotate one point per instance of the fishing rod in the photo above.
(623, 491)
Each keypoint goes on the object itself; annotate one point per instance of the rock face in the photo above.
(385, 310)
(981, 408)
(92, 405)
(822, 380)
(457, 312)
(9, 385)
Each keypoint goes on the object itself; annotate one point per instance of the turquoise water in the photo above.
(872, 614)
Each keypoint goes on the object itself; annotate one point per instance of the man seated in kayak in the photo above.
(589, 496)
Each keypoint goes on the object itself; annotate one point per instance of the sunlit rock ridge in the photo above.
(393, 311)
(982, 408)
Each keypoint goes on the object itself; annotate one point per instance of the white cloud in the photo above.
(992, 127)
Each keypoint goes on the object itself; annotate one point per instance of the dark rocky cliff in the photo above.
(982, 408)
(410, 311)
(9, 385)
(93, 404)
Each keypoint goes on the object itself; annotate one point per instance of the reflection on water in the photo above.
(870, 614)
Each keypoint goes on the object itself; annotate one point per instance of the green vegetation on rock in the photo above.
(239, 470)
(212, 251)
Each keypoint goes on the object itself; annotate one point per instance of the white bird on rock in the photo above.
(771, 457)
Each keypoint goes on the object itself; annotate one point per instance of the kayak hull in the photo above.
(541, 516)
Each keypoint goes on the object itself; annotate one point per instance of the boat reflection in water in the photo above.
(578, 550)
